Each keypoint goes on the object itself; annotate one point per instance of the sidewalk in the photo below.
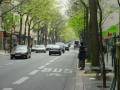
(3, 52)
(86, 80)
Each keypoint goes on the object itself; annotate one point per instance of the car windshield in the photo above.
(21, 48)
(55, 46)
(49, 45)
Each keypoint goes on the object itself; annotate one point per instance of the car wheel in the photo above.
(26, 57)
(49, 53)
(60, 53)
(11, 57)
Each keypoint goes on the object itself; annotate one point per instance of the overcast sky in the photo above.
(63, 6)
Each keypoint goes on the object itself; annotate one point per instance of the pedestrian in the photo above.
(82, 56)
(113, 52)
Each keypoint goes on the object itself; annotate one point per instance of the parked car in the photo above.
(67, 47)
(49, 46)
(55, 50)
(62, 46)
(21, 51)
(39, 48)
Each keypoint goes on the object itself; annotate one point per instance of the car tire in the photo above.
(26, 57)
(60, 53)
(49, 54)
(11, 57)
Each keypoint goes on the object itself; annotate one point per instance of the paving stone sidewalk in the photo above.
(86, 80)
(2, 52)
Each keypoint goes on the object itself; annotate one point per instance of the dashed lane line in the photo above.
(34, 72)
(41, 67)
(20, 81)
(47, 64)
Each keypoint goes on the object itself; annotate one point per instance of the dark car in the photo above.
(67, 47)
(21, 51)
(62, 46)
(39, 48)
(55, 50)
(49, 46)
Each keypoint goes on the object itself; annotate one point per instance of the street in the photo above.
(40, 72)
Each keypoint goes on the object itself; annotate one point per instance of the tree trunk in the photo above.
(101, 50)
(20, 31)
(93, 32)
(25, 28)
(29, 37)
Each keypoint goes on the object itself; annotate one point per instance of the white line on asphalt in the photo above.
(7, 89)
(56, 70)
(52, 61)
(34, 72)
(46, 70)
(55, 74)
(20, 81)
(47, 64)
(41, 67)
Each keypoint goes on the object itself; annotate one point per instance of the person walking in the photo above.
(113, 53)
(82, 56)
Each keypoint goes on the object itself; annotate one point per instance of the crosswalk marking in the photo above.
(55, 74)
(57, 70)
(46, 70)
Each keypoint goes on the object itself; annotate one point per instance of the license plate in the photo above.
(17, 55)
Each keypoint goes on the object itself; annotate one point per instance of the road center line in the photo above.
(7, 89)
(20, 81)
(47, 64)
(52, 61)
(34, 72)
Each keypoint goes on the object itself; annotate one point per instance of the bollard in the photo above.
(118, 64)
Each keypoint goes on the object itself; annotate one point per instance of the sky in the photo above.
(63, 6)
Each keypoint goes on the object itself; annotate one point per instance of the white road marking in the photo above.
(47, 64)
(20, 81)
(7, 89)
(52, 61)
(55, 74)
(46, 70)
(34, 72)
(56, 70)
(41, 67)
(68, 71)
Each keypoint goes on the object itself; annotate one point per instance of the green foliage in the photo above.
(77, 22)
(68, 34)
(9, 21)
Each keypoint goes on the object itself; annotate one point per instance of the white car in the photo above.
(39, 48)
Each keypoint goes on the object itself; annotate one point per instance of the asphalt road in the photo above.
(41, 72)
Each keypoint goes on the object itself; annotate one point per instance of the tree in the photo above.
(93, 29)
